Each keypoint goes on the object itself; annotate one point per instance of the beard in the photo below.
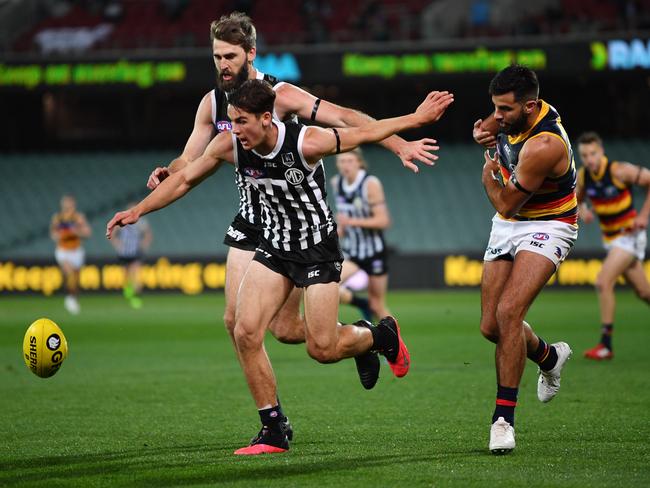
(517, 126)
(236, 81)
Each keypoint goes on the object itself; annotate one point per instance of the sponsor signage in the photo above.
(619, 54)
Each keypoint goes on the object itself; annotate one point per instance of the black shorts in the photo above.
(126, 260)
(375, 266)
(324, 267)
(242, 234)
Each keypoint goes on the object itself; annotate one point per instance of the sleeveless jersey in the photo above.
(131, 238)
(611, 200)
(352, 200)
(295, 216)
(556, 198)
(249, 200)
(65, 225)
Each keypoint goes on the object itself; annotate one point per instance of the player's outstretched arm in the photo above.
(631, 174)
(178, 184)
(322, 142)
(293, 100)
(202, 134)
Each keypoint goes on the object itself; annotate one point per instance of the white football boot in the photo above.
(502, 437)
(548, 383)
(72, 305)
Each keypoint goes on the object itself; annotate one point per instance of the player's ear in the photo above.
(251, 54)
(267, 119)
(529, 106)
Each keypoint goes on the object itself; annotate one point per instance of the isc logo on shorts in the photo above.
(313, 274)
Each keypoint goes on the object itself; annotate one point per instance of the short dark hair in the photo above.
(520, 80)
(254, 96)
(589, 137)
(236, 28)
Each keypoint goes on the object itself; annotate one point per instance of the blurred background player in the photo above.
(362, 216)
(67, 228)
(131, 242)
(608, 185)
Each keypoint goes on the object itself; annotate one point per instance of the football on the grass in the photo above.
(44, 348)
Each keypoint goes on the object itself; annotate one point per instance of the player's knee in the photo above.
(246, 337)
(644, 294)
(490, 330)
(603, 284)
(229, 322)
(507, 315)
(288, 333)
(322, 353)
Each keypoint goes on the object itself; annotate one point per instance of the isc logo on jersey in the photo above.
(44, 348)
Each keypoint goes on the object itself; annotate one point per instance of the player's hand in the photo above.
(433, 106)
(120, 219)
(491, 162)
(640, 223)
(157, 176)
(412, 151)
(483, 137)
(342, 220)
(586, 215)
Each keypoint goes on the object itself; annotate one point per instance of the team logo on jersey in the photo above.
(253, 172)
(540, 236)
(287, 159)
(294, 176)
(224, 125)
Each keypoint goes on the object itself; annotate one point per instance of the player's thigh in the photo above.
(348, 269)
(493, 280)
(617, 261)
(237, 263)
(290, 311)
(635, 276)
(261, 295)
(321, 314)
(530, 272)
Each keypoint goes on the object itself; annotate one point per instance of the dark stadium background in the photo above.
(94, 94)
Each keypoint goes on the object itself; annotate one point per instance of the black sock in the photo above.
(283, 417)
(606, 337)
(545, 355)
(506, 403)
(271, 417)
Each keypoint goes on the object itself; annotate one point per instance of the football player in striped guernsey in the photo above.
(362, 216)
(299, 244)
(608, 185)
(234, 49)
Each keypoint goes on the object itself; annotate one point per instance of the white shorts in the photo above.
(632, 242)
(74, 257)
(550, 238)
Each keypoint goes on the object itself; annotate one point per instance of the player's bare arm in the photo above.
(584, 212)
(82, 228)
(632, 174)
(293, 100)
(179, 183)
(541, 157)
(201, 135)
(380, 218)
(320, 142)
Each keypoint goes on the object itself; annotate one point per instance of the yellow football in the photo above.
(44, 348)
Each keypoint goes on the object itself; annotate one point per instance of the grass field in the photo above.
(155, 397)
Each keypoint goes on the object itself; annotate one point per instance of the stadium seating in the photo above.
(442, 209)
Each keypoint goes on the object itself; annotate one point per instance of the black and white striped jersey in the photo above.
(130, 239)
(249, 200)
(352, 200)
(296, 219)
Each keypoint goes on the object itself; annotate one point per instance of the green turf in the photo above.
(155, 397)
